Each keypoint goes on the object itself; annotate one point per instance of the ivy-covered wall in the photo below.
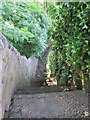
(69, 57)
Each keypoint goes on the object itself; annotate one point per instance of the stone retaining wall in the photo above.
(16, 72)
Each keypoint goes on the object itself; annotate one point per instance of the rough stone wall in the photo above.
(0, 84)
(16, 72)
(41, 69)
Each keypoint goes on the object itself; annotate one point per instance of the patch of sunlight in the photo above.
(14, 10)
(51, 81)
(48, 69)
(9, 25)
(86, 113)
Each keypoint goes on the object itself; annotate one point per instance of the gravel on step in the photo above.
(71, 104)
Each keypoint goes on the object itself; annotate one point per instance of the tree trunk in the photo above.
(46, 6)
(74, 81)
(82, 78)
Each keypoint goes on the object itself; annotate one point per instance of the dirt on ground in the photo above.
(52, 104)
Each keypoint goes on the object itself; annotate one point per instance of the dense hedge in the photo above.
(25, 25)
(69, 57)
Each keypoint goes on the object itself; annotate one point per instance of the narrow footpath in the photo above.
(48, 102)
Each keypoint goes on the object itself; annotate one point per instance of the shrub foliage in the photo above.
(25, 25)
(69, 57)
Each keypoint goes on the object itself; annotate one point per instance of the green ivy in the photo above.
(70, 50)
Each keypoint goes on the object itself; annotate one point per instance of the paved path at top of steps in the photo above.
(71, 104)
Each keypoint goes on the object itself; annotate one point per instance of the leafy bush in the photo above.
(25, 25)
(70, 50)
